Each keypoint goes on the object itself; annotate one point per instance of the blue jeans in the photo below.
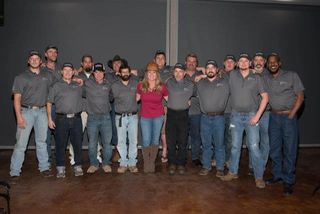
(37, 119)
(283, 133)
(151, 128)
(195, 138)
(240, 122)
(114, 139)
(264, 138)
(227, 137)
(99, 124)
(212, 132)
(50, 133)
(128, 154)
(65, 127)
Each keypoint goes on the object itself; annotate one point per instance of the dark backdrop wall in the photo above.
(133, 29)
(213, 29)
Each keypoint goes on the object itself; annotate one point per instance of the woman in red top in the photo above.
(151, 93)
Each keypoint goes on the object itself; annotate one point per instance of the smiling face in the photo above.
(67, 73)
(244, 63)
(229, 64)
(98, 75)
(160, 60)
(179, 74)
(34, 61)
(211, 71)
(258, 63)
(273, 64)
(191, 63)
(87, 64)
(152, 75)
(51, 54)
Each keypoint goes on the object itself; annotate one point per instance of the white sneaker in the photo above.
(61, 172)
(78, 171)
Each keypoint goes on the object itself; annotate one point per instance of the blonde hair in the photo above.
(145, 87)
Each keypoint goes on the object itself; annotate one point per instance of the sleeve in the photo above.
(139, 88)
(297, 83)
(261, 84)
(18, 85)
(165, 91)
(50, 98)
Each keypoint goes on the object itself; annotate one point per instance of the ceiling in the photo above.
(293, 2)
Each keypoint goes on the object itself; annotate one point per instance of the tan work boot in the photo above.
(92, 169)
(153, 157)
(107, 168)
(260, 183)
(146, 159)
(133, 169)
(122, 169)
(229, 177)
(116, 156)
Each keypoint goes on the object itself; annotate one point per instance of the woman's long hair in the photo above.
(145, 82)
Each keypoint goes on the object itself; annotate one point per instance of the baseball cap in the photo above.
(230, 56)
(211, 62)
(33, 52)
(51, 47)
(98, 67)
(259, 54)
(179, 65)
(244, 55)
(67, 64)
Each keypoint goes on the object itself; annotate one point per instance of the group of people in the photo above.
(207, 108)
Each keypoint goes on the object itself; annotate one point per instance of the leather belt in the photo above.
(69, 115)
(280, 112)
(126, 114)
(215, 113)
(32, 107)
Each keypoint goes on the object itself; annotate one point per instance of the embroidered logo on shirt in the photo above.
(251, 78)
(220, 84)
(105, 88)
(283, 83)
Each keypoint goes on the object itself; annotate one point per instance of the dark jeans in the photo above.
(283, 135)
(227, 137)
(65, 127)
(177, 136)
(194, 133)
(114, 139)
(50, 133)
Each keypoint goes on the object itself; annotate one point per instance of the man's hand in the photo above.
(21, 122)
(254, 120)
(51, 124)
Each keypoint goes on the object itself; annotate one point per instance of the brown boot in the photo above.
(146, 159)
(153, 157)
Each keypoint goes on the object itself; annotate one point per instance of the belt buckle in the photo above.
(70, 115)
(35, 107)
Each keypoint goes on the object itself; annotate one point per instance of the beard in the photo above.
(125, 77)
(211, 75)
(88, 70)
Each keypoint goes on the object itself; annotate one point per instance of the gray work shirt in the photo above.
(245, 92)
(97, 96)
(125, 96)
(195, 105)
(66, 97)
(213, 96)
(180, 93)
(56, 72)
(166, 73)
(283, 89)
(34, 88)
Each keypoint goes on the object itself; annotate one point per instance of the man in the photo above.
(259, 68)
(247, 108)
(229, 64)
(51, 66)
(126, 119)
(165, 73)
(180, 90)
(99, 122)
(67, 97)
(191, 62)
(286, 93)
(30, 90)
(213, 93)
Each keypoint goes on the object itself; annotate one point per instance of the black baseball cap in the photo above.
(259, 54)
(244, 55)
(67, 64)
(211, 62)
(51, 47)
(180, 66)
(33, 52)
(230, 56)
(158, 52)
(98, 67)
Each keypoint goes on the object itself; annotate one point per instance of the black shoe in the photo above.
(172, 169)
(273, 181)
(181, 170)
(14, 179)
(197, 162)
(250, 172)
(46, 174)
(287, 189)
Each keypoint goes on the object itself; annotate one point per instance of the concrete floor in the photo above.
(159, 192)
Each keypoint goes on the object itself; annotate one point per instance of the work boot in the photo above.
(146, 159)
(153, 157)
